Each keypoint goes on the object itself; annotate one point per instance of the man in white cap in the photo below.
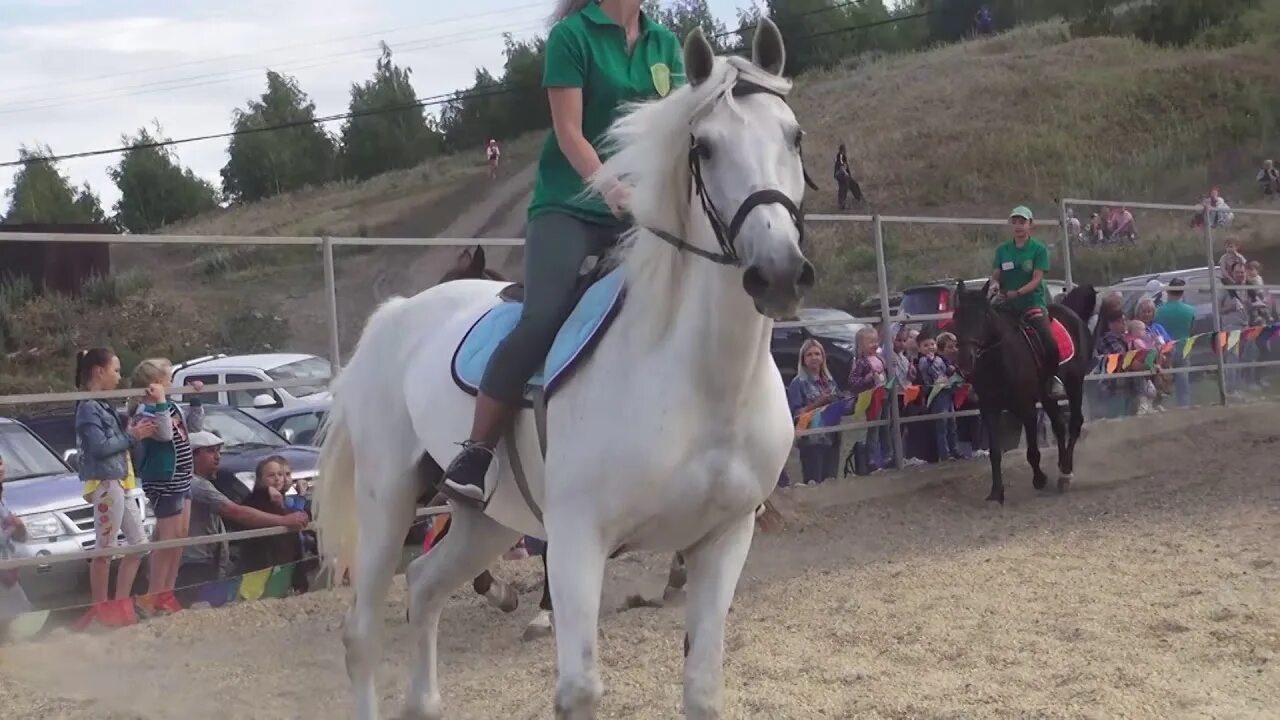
(209, 507)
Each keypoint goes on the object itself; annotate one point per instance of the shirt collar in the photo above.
(593, 13)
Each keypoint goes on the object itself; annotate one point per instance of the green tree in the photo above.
(820, 33)
(386, 138)
(262, 164)
(493, 108)
(42, 194)
(154, 189)
(682, 16)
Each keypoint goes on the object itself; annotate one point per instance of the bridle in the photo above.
(727, 233)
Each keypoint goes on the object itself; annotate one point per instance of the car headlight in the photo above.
(42, 526)
(247, 477)
(845, 346)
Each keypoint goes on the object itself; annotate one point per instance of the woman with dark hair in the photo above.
(104, 442)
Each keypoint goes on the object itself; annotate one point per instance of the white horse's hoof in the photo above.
(503, 597)
(672, 595)
(540, 627)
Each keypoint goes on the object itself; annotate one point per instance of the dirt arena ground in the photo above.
(1151, 590)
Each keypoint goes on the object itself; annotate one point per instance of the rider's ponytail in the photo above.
(565, 8)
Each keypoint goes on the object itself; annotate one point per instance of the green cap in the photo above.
(1022, 211)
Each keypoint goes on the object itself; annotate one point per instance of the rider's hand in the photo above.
(618, 197)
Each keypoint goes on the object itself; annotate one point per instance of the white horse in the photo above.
(668, 436)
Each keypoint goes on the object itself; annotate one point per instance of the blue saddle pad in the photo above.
(588, 321)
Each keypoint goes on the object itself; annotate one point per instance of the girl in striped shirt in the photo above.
(165, 466)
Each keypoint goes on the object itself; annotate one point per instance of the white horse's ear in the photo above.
(767, 50)
(699, 57)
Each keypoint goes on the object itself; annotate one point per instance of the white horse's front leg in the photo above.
(715, 564)
(575, 573)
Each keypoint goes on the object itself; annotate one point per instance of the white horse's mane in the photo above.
(650, 145)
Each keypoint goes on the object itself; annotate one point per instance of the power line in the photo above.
(807, 13)
(220, 77)
(492, 91)
(256, 53)
(500, 89)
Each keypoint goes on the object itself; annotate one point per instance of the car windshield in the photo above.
(847, 330)
(312, 368)
(25, 456)
(240, 431)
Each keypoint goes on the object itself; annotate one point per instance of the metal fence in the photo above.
(885, 319)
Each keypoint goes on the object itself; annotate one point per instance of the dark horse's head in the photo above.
(470, 265)
(975, 325)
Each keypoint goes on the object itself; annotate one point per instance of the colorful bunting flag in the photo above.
(1233, 340)
(1129, 358)
(280, 582)
(253, 584)
(1186, 347)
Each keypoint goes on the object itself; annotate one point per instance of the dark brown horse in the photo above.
(998, 360)
(471, 265)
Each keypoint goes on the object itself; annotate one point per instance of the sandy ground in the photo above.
(1148, 591)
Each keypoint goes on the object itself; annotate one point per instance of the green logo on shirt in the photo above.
(661, 78)
(1026, 266)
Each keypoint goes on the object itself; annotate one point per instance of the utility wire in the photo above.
(258, 53)
(491, 91)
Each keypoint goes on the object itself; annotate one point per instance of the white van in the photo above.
(269, 367)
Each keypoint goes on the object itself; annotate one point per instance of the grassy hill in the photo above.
(964, 130)
(1025, 117)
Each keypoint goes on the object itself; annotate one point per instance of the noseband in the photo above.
(727, 233)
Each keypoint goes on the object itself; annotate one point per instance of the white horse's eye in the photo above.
(799, 138)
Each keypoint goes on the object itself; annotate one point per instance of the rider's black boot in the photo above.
(464, 478)
(1054, 387)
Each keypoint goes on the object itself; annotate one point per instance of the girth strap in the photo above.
(539, 396)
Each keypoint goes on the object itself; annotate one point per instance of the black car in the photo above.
(837, 338)
(247, 442)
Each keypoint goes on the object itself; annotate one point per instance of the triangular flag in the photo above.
(1233, 339)
(891, 383)
(1152, 357)
(934, 391)
(1186, 347)
(911, 395)
(219, 592)
(28, 625)
(805, 420)
(962, 394)
(831, 414)
(1112, 361)
(1168, 347)
(252, 584)
(1252, 333)
(877, 403)
(864, 402)
(1129, 357)
(1222, 342)
(280, 582)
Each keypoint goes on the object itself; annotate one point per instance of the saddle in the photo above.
(1065, 343)
(600, 296)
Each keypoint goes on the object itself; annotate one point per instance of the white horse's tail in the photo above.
(334, 504)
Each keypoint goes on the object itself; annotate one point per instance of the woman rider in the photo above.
(600, 54)
(1018, 275)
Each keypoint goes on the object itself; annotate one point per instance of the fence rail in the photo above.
(884, 320)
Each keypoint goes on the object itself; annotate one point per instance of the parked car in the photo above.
(300, 424)
(47, 494)
(271, 367)
(247, 440)
(938, 296)
(837, 338)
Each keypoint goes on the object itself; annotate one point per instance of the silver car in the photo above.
(41, 489)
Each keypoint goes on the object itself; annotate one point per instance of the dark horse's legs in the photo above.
(1028, 416)
(1066, 461)
(676, 579)
(991, 422)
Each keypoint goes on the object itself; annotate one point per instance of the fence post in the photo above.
(1221, 354)
(886, 343)
(331, 298)
(1066, 245)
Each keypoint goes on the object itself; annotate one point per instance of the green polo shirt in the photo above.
(588, 50)
(1017, 265)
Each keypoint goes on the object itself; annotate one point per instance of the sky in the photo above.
(80, 73)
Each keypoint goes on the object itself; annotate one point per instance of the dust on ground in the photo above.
(1147, 591)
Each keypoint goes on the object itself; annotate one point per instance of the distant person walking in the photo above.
(495, 157)
(844, 179)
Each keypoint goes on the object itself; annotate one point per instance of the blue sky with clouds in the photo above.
(79, 73)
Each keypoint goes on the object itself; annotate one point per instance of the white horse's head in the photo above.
(717, 169)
